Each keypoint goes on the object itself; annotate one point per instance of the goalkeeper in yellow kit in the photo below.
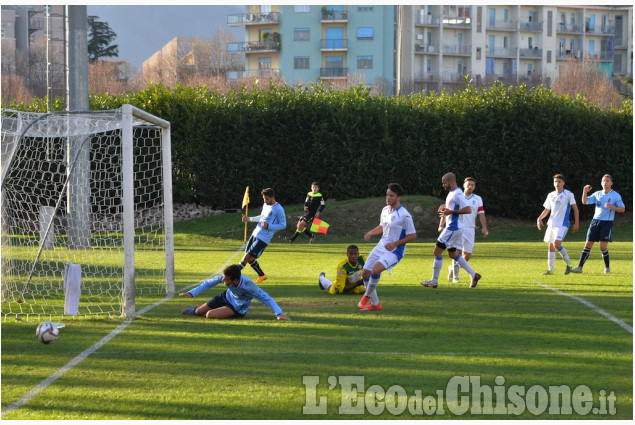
(349, 275)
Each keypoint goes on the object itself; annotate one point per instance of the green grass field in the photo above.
(511, 334)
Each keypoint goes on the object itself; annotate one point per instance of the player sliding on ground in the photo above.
(235, 301)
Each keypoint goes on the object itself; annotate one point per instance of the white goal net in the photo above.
(86, 188)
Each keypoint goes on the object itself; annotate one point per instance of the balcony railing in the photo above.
(530, 53)
(426, 77)
(427, 20)
(531, 26)
(573, 29)
(253, 19)
(501, 52)
(454, 49)
(253, 46)
(429, 48)
(333, 72)
(501, 25)
(334, 15)
(454, 21)
(334, 44)
(252, 73)
(568, 54)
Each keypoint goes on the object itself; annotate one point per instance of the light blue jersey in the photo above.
(275, 217)
(240, 296)
(599, 199)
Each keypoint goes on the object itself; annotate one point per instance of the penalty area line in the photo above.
(84, 354)
(593, 307)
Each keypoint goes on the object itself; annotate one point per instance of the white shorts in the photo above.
(468, 239)
(555, 233)
(387, 258)
(451, 238)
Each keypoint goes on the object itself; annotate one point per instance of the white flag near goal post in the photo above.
(72, 288)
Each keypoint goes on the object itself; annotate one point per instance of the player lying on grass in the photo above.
(349, 275)
(235, 301)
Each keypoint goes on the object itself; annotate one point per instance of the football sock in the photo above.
(605, 257)
(456, 268)
(436, 268)
(551, 260)
(464, 265)
(308, 232)
(241, 265)
(326, 284)
(365, 282)
(584, 256)
(295, 235)
(564, 254)
(371, 289)
(254, 265)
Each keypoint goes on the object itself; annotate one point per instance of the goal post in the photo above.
(123, 192)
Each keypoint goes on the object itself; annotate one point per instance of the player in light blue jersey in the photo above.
(451, 229)
(558, 206)
(271, 219)
(607, 202)
(235, 301)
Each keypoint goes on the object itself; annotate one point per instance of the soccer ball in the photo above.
(47, 332)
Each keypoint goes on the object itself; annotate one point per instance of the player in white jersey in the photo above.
(469, 226)
(397, 229)
(558, 204)
(451, 232)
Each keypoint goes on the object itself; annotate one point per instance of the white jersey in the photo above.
(396, 225)
(476, 204)
(455, 201)
(560, 206)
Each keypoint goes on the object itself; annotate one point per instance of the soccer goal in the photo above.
(92, 189)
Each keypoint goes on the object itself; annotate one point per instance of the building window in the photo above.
(265, 8)
(479, 18)
(364, 62)
(301, 34)
(2, 32)
(548, 56)
(365, 33)
(305, 8)
(264, 63)
(478, 53)
(301, 62)
(549, 22)
(365, 8)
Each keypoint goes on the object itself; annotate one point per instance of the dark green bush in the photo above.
(512, 140)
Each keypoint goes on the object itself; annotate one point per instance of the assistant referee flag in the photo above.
(246, 197)
(319, 226)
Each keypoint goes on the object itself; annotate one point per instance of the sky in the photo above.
(142, 30)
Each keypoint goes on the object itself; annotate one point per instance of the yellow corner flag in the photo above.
(246, 198)
(246, 207)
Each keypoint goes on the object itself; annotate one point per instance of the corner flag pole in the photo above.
(246, 207)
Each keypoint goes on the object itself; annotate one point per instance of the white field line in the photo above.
(593, 307)
(84, 354)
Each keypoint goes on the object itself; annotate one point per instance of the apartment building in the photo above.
(440, 44)
(305, 43)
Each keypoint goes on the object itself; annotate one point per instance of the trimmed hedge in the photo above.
(512, 140)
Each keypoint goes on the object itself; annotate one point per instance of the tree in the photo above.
(100, 35)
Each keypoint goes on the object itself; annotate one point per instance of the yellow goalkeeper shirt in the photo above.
(344, 270)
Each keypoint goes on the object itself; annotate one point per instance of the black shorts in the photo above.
(308, 217)
(600, 231)
(220, 300)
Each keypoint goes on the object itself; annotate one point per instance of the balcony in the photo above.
(501, 53)
(253, 47)
(569, 29)
(602, 30)
(253, 73)
(331, 44)
(531, 26)
(426, 77)
(604, 56)
(457, 22)
(501, 26)
(253, 19)
(333, 73)
(426, 49)
(457, 50)
(334, 15)
(428, 20)
(534, 53)
(568, 54)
